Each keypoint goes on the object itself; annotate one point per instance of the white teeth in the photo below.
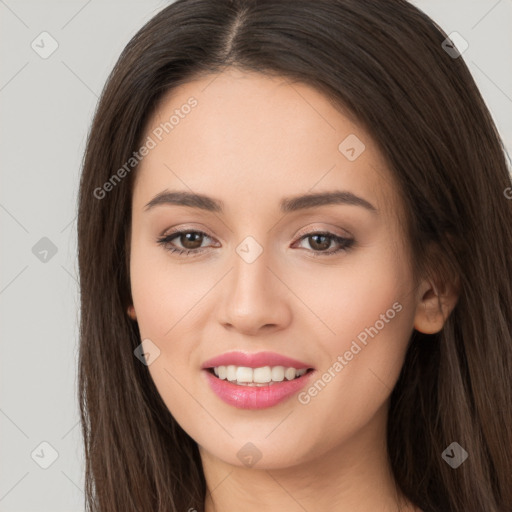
(231, 372)
(244, 375)
(262, 375)
(278, 373)
(290, 373)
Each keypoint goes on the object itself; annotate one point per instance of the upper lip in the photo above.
(255, 360)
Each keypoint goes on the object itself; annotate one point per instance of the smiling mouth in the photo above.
(258, 377)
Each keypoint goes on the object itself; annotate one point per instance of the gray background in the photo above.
(46, 109)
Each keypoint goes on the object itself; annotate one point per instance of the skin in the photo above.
(249, 142)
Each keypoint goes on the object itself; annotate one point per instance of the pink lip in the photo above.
(254, 397)
(256, 360)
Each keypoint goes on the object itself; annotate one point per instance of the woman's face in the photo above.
(263, 281)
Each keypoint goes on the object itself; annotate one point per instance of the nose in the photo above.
(255, 297)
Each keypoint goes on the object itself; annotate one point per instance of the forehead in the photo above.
(248, 138)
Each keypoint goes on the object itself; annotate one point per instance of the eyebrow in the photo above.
(287, 205)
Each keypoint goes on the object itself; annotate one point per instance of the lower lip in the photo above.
(255, 397)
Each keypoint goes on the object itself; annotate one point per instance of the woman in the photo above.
(294, 267)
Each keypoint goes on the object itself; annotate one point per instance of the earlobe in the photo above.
(131, 312)
(434, 307)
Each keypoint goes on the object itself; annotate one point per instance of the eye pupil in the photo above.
(319, 245)
(193, 238)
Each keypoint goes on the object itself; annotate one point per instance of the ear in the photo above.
(434, 306)
(131, 312)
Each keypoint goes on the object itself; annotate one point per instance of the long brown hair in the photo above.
(383, 62)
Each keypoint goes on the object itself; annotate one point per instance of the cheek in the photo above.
(162, 291)
(167, 299)
(370, 314)
(355, 294)
(164, 300)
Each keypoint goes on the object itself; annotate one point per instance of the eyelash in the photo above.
(346, 243)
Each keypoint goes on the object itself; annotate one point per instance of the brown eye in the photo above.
(184, 242)
(319, 242)
(191, 239)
